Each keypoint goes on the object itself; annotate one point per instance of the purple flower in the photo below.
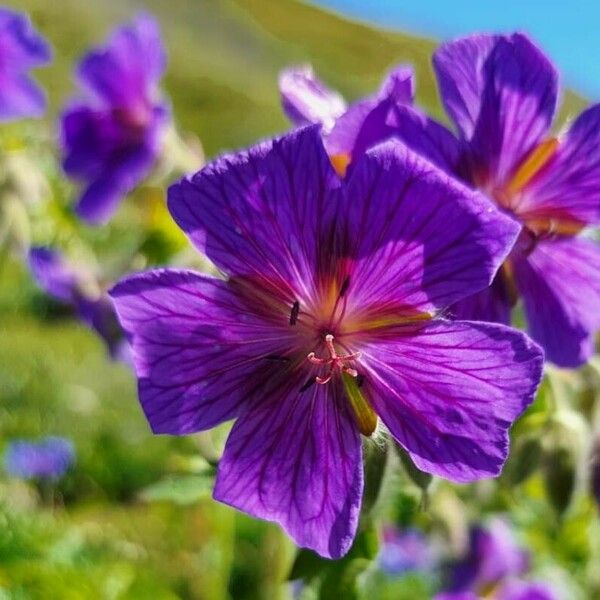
(78, 290)
(494, 567)
(501, 92)
(49, 458)
(113, 135)
(328, 318)
(347, 132)
(404, 551)
(21, 48)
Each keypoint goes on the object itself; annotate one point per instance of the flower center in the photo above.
(333, 362)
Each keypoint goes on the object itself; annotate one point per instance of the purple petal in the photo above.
(306, 100)
(502, 93)
(515, 589)
(198, 349)
(370, 121)
(569, 187)
(427, 137)
(449, 392)
(20, 97)
(127, 70)
(295, 458)
(53, 274)
(418, 237)
(260, 213)
(22, 46)
(560, 285)
(492, 304)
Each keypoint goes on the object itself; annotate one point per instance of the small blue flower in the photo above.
(50, 458)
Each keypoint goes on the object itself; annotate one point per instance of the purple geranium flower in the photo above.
(328, 318)
(347, 132)
(21, 48)
(49, 458)
(112, 137)
(501, 92)
(78, 290)
(493, 566)
(404, 551)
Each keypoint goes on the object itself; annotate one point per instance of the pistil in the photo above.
(334, 362)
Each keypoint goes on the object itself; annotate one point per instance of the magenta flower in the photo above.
(494, 566)
(50, 458)
(347, 132)
(501, 92)
(78, 290)
(113, 135)
(21, 48)
(328, 318)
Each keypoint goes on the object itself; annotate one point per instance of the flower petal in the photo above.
(295, 458)
(52, 274)
(127, 70)
(492, 304)
(306, 100)
(560, 285)
(368, 122)
(261, 212)
(417, 236)
(569, 187)
(449, 392)
(20, 97)
(502, 93)
(197, 348)
(427, 137)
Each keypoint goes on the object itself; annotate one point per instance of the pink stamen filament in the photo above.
(334, 362)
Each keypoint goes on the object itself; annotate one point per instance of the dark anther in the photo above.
(277, 358)
(308, 384)
(295, 312)
(360, 379)
(345, 286)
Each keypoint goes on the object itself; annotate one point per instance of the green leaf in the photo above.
(419, 478)
(181, 489)
(308, 565)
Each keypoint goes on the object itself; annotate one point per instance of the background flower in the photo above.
(49, 458)
(21, 48)
(113, 135)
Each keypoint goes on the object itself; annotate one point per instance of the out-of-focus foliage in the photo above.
(133, 516)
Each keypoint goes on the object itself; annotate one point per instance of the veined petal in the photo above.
(262, 212)
(427, 137)
(502, 93)
(198, 350)
(295, 458)
(416, 236)
(370, 121)
(568, 188)
(560, 285)
(306, 100)
(492, 304)
(449, 392)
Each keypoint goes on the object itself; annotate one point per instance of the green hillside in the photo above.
(224, 56)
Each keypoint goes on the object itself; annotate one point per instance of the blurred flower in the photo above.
(112, 137)
(494, 564)
(78, 290)
(49, 458)
(404, 551)
(347, 132)
(501, 92)
(21, 48)
(328, 319)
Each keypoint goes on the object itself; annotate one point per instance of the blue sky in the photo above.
(568, 30)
